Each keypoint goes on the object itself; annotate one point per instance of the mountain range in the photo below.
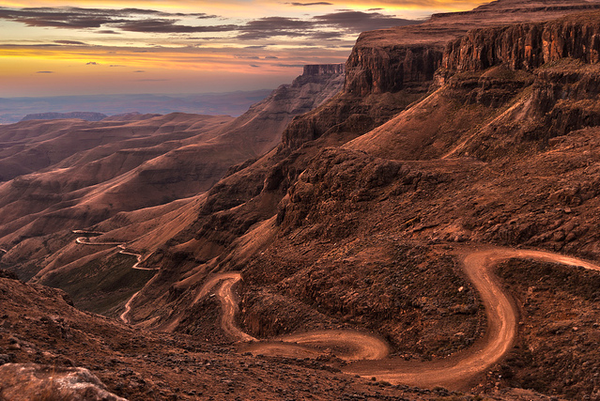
(419, 223)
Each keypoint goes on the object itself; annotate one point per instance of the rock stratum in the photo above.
(468, 139)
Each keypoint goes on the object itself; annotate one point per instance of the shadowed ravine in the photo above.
(370, 352)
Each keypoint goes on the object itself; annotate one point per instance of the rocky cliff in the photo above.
(389, 69)
(323, 69)
(526, 46)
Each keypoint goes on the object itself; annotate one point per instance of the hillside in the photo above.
(433, 224)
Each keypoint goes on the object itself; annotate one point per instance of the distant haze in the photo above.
(13, 110)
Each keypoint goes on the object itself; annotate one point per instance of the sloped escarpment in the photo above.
(526, 46)
(392, 69)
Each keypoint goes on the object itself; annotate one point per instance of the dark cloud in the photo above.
(45, 72)
(139, 71)
(271, 58)
(319, 3)
(274, 26)
(69, 42)
(116, 66)
(113, 21)
(81, 18)
(92, 63)
(254, 66)
(358, 21)
(327, 35)
(170, 26)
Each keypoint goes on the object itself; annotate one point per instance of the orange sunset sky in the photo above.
(186, 46)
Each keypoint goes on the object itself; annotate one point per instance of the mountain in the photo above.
(13, 110)
(62, 175)
(432, 224)
(82, 115)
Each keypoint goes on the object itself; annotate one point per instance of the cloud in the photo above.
(319, 3)
(69, 42)
(83, 18)
(91, 63)
(139, 71)
(116, 66)
(274, 26)
(45, 72)
(326, 35)
(254, 66)
(358, 21)
(170, 26)
(331, 27)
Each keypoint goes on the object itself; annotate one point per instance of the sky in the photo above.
(87, 47)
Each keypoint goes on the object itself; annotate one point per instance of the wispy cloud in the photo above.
(45, 72)
(70, 42)
(319, 3)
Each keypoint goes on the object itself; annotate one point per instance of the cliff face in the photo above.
(371, 70)
(323, 69)
(389, 69)
(526, 46)
(557, 60)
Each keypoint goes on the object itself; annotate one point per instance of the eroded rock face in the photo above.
(373, 70)
(27, 381)
(526, 46)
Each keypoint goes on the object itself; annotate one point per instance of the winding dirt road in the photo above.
(123, 316)
(85, 241)
(370, 352)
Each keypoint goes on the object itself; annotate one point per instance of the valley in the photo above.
(419, 224)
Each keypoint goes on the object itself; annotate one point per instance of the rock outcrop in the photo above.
(397, 68)
(29, 381)
(390, 69)
(526, 46)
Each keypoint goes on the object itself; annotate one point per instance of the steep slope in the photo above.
(52, 350)
(119, 165)
(364, 242)
(389, 69)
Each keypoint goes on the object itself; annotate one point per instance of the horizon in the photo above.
(89, 47)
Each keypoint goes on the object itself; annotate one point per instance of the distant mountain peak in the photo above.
(82, 115)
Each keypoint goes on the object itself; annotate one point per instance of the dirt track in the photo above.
(123, 315)
(121, 246)
(370, 352)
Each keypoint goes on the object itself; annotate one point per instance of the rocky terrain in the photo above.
(466, 140)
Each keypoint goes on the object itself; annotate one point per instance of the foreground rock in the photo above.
(29, 381)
